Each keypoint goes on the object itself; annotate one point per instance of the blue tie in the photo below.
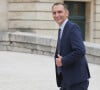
(59, 41)
(58, 49)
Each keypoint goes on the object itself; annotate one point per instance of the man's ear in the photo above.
(67, 13)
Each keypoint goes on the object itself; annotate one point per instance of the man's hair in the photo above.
(59, 3)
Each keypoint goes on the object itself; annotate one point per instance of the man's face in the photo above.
(59, 13)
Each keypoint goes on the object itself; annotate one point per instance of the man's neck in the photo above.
(63, 24)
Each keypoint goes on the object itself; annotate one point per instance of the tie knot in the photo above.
(59, 33)
(59, 29)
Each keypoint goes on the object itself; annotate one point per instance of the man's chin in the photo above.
(59, 23)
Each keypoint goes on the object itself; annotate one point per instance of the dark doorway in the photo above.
(77, 14)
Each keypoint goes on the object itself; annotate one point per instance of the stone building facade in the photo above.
(35, 16)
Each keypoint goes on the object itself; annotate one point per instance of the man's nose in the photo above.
(57, 14)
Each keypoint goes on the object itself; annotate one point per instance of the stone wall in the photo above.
(35, 16)
(34, 43)
(93, 52)
(97, 21)
(32, 16)
(26, 42)
(3, 15)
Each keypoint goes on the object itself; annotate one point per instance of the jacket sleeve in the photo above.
(78, 49)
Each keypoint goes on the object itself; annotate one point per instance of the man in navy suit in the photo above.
(72, 71)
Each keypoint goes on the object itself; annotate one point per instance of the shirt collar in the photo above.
(63, 24)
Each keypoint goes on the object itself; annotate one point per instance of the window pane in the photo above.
(78, 10)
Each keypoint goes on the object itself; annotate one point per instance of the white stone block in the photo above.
(98, 17)
(93, 59)
(24, 45)
(5, 43)
(21, 0)
(92, 49)
(33, 24)
(22, 37)
(3, 15)
(97, 1)
(44, 48)
(97, 8)
(97, 25)
(35, 0)
(43, 41)
(30, 16)
(48, 32)
(4, 36)
(17, 49)
(3, 48)
(37, 52)
(30, 6)
(97, 34)
(97, 40)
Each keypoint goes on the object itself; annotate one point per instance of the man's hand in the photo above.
(58, 61)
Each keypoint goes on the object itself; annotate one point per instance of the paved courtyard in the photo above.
(22, 71)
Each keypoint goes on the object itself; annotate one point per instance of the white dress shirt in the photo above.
(62, 27)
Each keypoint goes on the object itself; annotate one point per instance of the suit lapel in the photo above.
(66, 28)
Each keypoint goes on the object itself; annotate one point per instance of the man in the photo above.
(72, 71)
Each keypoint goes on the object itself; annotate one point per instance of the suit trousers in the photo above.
(79, 86)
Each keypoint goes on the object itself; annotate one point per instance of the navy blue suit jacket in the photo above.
(75, 67)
